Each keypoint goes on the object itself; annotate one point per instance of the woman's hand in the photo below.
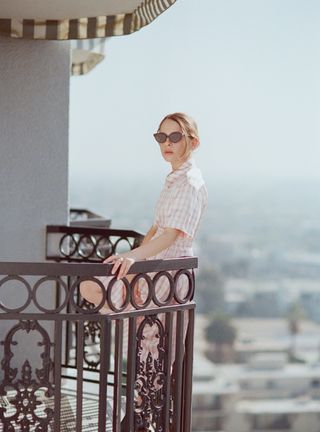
(150, 248)
(122, 261)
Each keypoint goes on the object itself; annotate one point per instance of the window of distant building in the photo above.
(270, 422)
(271, 385)
(217, 404)
(244, 385)
(203, 401)
(315, 383)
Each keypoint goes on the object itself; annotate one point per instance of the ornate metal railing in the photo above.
(86, 244)
(66, 243)
(145, 349)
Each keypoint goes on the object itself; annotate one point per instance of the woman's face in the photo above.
(172, 152)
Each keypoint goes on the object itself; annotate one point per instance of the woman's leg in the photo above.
(91, 291)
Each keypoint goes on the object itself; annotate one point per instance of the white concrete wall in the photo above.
(34, 111)
(291, 386)
(301, 422)
(237, 422)
(308, 422)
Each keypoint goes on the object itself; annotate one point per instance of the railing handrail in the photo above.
(92, 231)
(96, 317)
(87, 269)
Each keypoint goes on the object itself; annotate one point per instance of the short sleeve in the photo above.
(185, 210)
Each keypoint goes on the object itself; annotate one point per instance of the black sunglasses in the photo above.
(162, 137)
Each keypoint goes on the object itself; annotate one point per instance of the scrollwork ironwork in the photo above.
(150, 375)
(92, 338)
(26, 388)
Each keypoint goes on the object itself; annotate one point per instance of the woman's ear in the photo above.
(195, 143)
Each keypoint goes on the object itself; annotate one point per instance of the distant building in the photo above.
(310, 301)
(294, 415)
(300, 264)
(269, 376)
(255, 298)
(266, 302)
(269, 298)
(213, 397)
(267, 394)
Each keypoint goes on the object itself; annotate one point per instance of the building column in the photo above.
(34, 118)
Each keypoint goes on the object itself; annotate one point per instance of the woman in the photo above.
(177, 216)
(178, 210)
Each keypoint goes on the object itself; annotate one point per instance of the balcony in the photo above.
(67, 367)
(84, 217)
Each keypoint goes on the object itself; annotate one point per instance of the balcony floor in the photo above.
(69, 409)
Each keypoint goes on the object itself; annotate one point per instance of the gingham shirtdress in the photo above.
(181, 205)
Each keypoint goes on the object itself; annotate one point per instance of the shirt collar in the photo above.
(181, 171)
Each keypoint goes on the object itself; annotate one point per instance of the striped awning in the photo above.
(86, 54)
(77, 19)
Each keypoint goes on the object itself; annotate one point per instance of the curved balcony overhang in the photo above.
(77, 19)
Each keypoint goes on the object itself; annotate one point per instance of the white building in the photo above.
(267, 394)
(294, 415)
(213, 396)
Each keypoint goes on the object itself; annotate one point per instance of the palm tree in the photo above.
(295, 313)
(222, 334)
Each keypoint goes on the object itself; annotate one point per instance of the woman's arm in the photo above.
(149, 234)
(153, 247)
(146, 250)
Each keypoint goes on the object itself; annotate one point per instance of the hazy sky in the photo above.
(248, 71)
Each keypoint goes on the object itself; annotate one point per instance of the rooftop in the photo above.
(279, 406)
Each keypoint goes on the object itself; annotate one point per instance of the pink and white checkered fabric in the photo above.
(181, 205)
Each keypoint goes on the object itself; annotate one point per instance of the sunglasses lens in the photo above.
(160, 137)
(175, 137)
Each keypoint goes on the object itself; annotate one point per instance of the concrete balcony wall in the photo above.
(34, 112)
(34, 115)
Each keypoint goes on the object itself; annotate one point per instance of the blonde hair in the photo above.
(189, 128)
